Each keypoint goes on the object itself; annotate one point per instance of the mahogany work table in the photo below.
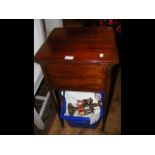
(79, 59)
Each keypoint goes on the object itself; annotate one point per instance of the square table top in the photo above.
(79, 45)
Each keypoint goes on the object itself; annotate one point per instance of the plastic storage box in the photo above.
(82, 122)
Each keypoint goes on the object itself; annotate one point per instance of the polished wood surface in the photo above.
(83, 77)
(93, 54)
(85, 44)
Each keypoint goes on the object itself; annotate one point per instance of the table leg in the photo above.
(106, 105)
(55, 100)
(109, 93)
(57, 106)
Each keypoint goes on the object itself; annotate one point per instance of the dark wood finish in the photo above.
(87, 71)
(72, 76)
(110, 90)
(72, 23)
(55, 99)
(85, 44)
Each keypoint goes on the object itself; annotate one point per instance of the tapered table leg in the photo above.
(57, 103)
(55, 100)
(109, 93)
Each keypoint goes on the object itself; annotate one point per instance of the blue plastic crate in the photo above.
(79, 121)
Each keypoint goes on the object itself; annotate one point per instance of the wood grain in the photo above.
(85, 44)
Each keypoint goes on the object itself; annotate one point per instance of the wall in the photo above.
(51, 24)
(39, 38)
(39, 35)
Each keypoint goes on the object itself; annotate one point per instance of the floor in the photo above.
(113, 123)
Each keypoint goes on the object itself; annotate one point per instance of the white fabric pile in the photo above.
(73, 96)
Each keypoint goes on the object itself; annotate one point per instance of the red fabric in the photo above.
(101, 23)
(110, 22)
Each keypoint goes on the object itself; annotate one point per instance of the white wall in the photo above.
(39, 38)
(51, 24)
(39, 34)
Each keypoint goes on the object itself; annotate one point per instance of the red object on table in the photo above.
(101, 22)
(110, 22)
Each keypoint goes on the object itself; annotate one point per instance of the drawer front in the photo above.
(84, 77)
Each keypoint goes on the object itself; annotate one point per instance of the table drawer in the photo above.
(77, 70)
(84, 77)
(79, 84)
